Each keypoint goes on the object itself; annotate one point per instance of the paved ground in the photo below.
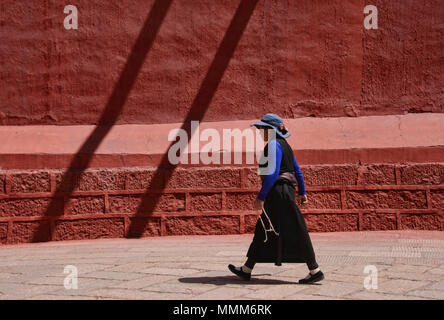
(409, 265)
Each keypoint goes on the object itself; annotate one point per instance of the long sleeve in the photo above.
(275, 156)
(299, 178)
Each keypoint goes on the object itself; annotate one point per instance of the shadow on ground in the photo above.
(224, 280)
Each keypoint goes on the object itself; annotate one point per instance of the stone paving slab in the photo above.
(408, 264)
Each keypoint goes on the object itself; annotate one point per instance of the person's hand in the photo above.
(302, 199)
(258, 204)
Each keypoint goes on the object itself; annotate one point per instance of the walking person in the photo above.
(281, 234)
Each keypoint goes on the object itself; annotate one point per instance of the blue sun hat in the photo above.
(273, 121)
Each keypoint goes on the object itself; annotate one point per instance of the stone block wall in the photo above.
(44, 205)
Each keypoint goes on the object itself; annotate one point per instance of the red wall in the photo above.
(167, 61)
(109, 203)
(295, 58)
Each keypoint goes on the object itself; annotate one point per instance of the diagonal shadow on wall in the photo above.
(197, 111)
(110, 114)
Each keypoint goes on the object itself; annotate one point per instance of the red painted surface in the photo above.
(374, 139)
(159, 62)
(295, 58)
(202, 200)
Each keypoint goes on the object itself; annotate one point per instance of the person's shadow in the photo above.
(224, 280)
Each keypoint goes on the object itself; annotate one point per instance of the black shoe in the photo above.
(311, 278)
(244, 275)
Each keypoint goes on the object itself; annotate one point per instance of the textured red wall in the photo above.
(161, 61)
(214, 201)
(295, 58)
